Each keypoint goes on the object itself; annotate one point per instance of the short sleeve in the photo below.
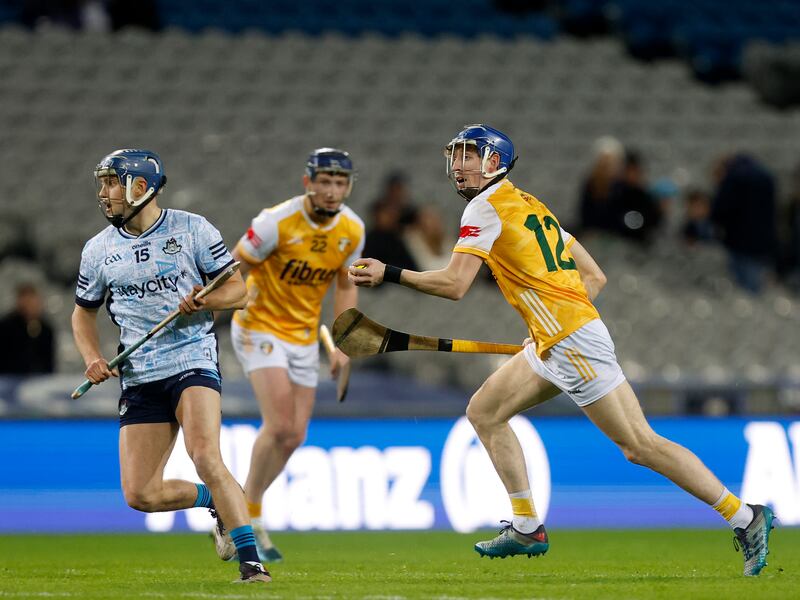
(210, 252)
(359, 249)
(568, 238)
(90, 290)
(260, 239)
(480, 227)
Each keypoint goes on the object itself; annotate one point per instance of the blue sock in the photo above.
(245, 543)
(203, 496)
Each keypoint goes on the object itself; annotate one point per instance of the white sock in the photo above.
(525, 523)
(725, 505)
(743, 517)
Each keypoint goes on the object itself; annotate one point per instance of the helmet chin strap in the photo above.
(136, 211)
(493, 177)
(119, 221)
(320, 211)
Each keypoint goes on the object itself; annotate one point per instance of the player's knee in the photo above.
(207, 462)
(474, 414)
(284, 436)
(297, 440)
(478, 415)
(141, 500)
(642, 450)
(291, 440)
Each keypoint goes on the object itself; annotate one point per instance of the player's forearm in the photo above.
(442, 283)
(593, 285)
(343, 298)
(594, 280)
(230, 296)
(591, 274)
(245, 266)
(84, 331)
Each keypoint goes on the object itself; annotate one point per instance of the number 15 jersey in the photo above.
(528, 252)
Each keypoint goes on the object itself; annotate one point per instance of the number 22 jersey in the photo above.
(294, 262)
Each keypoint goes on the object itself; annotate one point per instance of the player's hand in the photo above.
(97, 371)
(527, 341)
(190, 304)
(366, 272)
(340, 360)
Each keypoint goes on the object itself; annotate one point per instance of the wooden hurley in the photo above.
(357, 335)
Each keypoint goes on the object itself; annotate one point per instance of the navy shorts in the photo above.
(156, 401)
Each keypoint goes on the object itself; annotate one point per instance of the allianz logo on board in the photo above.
(372, 488)
(770, 475)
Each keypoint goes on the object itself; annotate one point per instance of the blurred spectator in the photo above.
(89, 15)
(427, 242)
(597, 212)
(384, 239)
(790, 255)
(744, 211)
(697, 225)
(28, 341)
(133, 13)
(637, 211)
(665, 193)
(92, 15)
(15, 236)
(396, 193)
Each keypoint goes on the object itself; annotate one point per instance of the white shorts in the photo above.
(582, 365)
(258, 350)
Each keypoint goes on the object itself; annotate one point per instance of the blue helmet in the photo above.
(487, 141)
(329, 160)
(335, 162)
(127, 165)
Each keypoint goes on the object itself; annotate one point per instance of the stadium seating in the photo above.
(353, 17)
(234, 118)
(709, 34)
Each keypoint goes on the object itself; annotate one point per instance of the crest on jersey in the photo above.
(343, 243)
(172, 246)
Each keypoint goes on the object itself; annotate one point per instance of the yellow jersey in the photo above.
(294, 261)
(528, 252)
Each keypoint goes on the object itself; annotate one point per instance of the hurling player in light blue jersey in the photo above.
(145, 264)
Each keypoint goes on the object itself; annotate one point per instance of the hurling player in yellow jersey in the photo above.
(551, 280)
(291, 254)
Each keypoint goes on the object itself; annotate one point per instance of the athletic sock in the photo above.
(733, 510)
(203, 496)
(525, 519)
(254, 508)
(245, 543)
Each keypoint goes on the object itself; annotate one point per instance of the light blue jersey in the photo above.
(143, 278)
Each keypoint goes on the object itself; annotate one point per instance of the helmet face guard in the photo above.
(487, 142)
(127, 165)
(333, 162)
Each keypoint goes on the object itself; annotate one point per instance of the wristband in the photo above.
(392, 274)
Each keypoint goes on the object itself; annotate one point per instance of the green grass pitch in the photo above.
(404, 565)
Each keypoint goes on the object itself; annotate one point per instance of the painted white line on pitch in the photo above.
(235, 596)
(36, 594)
(483, 598)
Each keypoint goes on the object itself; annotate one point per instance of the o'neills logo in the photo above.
(151, 286)
(300, 272)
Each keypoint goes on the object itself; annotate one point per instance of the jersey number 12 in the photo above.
(533, 223)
